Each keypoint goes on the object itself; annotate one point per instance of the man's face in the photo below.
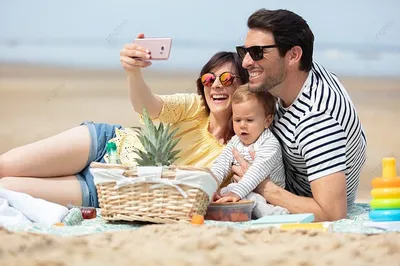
(268, 72)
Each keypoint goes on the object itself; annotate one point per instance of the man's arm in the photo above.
(329, 202)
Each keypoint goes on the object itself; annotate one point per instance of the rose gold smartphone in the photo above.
(159, 47)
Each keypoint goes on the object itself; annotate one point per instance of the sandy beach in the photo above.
(38, 102)
(180, 245)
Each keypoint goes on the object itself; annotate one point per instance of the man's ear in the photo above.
(268, 121)
(294, 55)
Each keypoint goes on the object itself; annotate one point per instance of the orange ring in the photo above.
(381, 182)
(385, 193)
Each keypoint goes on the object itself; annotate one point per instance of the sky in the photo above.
(338, 24)
(334, 21)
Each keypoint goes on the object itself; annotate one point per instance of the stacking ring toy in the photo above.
(385, 204)
(382, 182)
(385, 193)
(388, 179)
(384, 215)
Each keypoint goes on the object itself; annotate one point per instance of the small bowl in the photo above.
(230, 211)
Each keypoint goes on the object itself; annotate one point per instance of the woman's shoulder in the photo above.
(182, 97)
(180, 107)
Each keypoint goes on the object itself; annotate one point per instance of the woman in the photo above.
(57, 168)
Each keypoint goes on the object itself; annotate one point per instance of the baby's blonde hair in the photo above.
(242, 94)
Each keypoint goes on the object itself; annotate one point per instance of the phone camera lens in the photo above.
(162, 48)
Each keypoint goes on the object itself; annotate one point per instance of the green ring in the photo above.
(383, 204)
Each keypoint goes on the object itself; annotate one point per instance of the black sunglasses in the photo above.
(256, 52)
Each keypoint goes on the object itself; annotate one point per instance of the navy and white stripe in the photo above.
(268, 162)
(321, 134)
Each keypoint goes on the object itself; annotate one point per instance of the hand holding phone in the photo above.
(159, 47)
(142, 51)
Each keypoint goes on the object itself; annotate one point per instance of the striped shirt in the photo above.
(268, 162)
(320, 134)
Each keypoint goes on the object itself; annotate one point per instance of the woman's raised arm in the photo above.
(133, 58)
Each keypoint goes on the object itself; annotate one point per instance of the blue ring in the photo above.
(385, 215)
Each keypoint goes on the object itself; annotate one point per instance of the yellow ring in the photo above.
(385, 204)
(385, 193)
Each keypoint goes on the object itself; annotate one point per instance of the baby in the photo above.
(252, 115)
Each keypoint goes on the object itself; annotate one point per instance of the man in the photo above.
(323, 143)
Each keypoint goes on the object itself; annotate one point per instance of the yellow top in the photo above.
(187, 113)
(389, 167)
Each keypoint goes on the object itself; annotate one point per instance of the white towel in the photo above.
(10, 216)
(36, 210)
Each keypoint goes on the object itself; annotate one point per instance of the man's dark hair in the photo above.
(288, 29)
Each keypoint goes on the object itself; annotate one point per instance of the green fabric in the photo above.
(357, 215)
(74, 217)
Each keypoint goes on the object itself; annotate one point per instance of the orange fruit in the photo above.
(59, 224)
(197, 219)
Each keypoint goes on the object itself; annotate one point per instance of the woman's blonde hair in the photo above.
(242, 94)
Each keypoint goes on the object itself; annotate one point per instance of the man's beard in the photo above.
(271, 81)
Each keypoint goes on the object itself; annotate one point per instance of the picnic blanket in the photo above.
(354, 223)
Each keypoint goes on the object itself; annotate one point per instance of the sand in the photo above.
(38, 102)
(199, 245)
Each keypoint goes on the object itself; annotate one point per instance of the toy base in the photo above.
(384, 215)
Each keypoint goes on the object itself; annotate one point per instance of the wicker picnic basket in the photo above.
(127, 194)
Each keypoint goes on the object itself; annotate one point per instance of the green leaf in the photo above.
(172, 134)
(173, 143)
(149, 125)
(173, 154)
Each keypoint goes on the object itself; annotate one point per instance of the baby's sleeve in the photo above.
(268, 156)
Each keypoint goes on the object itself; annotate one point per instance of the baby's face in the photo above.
(249, 120)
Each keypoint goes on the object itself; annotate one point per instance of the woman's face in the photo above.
(218, 96)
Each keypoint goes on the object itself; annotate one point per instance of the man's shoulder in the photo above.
(322, 77)
(326, 91)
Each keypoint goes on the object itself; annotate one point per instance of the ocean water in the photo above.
(192, 58)
(359, 37)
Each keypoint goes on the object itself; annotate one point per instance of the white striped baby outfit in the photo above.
(267, 163)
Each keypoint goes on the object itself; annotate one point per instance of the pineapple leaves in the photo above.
(158, 143)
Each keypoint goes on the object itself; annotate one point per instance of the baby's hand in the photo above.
(216, 196)
(230, 197)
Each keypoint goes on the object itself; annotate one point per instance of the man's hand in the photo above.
(230, 197)
(240, 170)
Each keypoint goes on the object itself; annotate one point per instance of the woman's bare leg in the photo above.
(61, 190)
(64, 154)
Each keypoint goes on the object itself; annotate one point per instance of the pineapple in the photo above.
(158, 144)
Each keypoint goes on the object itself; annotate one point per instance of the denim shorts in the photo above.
(100, 134)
